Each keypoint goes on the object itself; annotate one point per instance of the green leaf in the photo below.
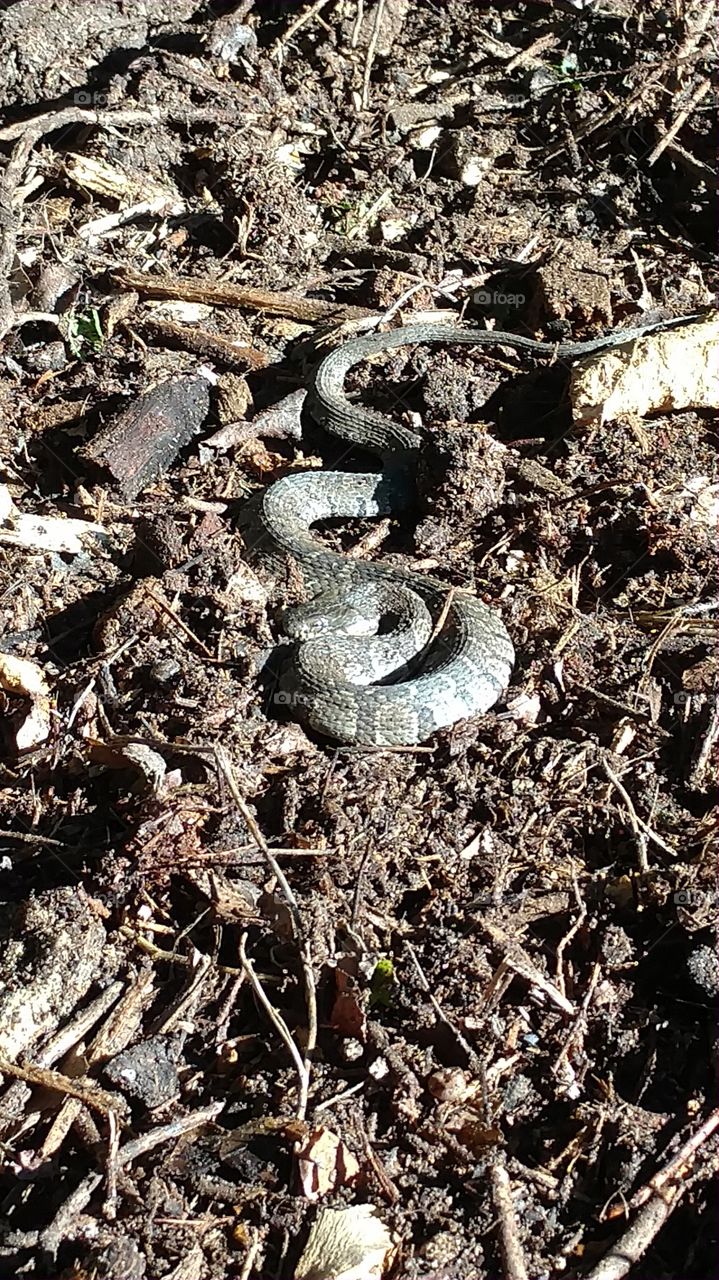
(382, 984)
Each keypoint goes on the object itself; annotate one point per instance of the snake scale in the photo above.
(383, 656)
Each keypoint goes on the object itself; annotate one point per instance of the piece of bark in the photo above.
(211, 346)
(142, 442)
(222, 294)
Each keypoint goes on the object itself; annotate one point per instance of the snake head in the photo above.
(331, 612)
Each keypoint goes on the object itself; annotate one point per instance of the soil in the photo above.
(508, 931)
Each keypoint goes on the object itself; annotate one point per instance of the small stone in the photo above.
(703, 965)
(147, 1071)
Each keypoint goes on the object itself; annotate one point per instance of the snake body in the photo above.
(388, 687)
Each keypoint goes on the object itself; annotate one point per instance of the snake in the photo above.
(382, 656)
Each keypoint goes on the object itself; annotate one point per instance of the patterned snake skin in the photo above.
(352, 677)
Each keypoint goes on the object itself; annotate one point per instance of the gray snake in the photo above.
(447, 656)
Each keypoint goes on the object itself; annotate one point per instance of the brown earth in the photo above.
(507, 932)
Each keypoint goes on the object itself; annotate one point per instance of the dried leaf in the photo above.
(348, 1015)
(324, 1163)
(46, 533)
(26, 679)
(675, 369)
(346, 1244)
(22, 677)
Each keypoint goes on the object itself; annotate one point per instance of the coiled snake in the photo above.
(368, 667)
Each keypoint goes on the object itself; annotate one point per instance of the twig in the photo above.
(172, 957)
(629, 1248)
(302, 18)
(86, 1090)
(305, 948)
(223, 1017)
(116, 1029)
(626, 107)
(442, 618)
(339, 1097)
(166, 1132)
(187, 997)
(639, 834)
(700, 92)
(113, 1148)
(358, 25)
(371, 51)
(704, 751)
(512, 1252)
(9, 224)
(232, 295)
(529, 55)
(252, 1251)
(601, 696)
(29, 133)
(39, 125)
(403, 297)
(580, 1022)
(642, 831)
(150, 949)
(576, 925)
(703, 14)
(275, 1018)
(517, 959)
(676, 1168)
(211, 346)
(53, 1236)
(56, 1048)
(29, 837)
(166, 608)
(464, 1044)
(76, 1089)
(690, 162)
(387, 1185)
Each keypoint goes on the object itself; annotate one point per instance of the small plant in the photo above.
(382, 984)
(84, 330)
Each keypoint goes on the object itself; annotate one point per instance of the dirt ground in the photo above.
(248, 976)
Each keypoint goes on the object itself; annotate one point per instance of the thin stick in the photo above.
(575, 927)
(275, 1018)
(166, 608)
(77, 1087)
(512, 1252)
(29, 837)
(305, 949)
(404, 297)
(642, 830)
(166, 1132)
(470, 1052)
(447, 605)
(580, 1023)
(516, 958)
(212, 346)
(223, 294)
(300, 21)
(635, 1241)
(677, 1167)
(700, 92)
(358, 24)
(371, 51)
(113, 1147)
(252, 1252)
